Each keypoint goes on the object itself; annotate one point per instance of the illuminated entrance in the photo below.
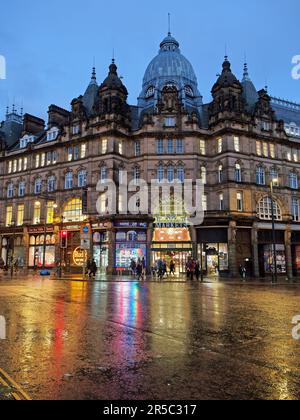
(172, 244)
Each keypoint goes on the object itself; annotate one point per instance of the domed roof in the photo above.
(170, 67)
(169, 63)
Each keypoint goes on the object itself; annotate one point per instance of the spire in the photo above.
(246, 73)
(94, 77)
(169, 24)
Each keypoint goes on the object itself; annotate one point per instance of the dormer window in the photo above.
(170, 122)
(26, 140)
(75, 130)
(150, 92)
(189, 91)
(52, 134)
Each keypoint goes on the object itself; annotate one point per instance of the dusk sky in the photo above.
(50, 46)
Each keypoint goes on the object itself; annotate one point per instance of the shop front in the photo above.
(172, 244)
(12, 247)
(266, 253)
(213, 245)
(100, 250)
(131, 243)
(38, 243)
(295, 242)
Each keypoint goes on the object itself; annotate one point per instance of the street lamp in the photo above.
(274, 269)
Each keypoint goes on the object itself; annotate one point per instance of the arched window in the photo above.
(69, 181)
(51, 183)
(170, 173)
(38, 186)
(264, 209)
(189, 91)
(73, 211)
(160, 173)
(180, 173)
(238, 173)
(203, 174)
(82, 178)
(220, 174)
(150, 92)
(260, 176)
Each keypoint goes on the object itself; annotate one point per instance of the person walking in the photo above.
(133, 267)
(172, 268)
(197, 270)
(94, 269)
(139, 271)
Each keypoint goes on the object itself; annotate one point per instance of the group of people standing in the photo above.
(138, 269)
(193, 269)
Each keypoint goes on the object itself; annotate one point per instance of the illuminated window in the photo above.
(104, 144)
(37, 161)
(236, 144)
(264, 209)
(265, 149)
(258, 148)
(274, 177)
(37, 213)
(73, 211)
(70, 154)
(50, 212)
(10, 167)
(20, 215)
(43, 159)
(15, 165)
(272, 151)
(239, 201)
(20, 165)
(204, 202)
(221, 202)
(295, 156)
(220, 174)
(83, 151)
(204, 175)
(25, 164)
(202, 147)
(9, 215)
(220, 145)
(120, 147)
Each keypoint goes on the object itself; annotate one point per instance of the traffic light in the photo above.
(64, 239)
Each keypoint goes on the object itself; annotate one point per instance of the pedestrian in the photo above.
(94, 269)
(139, 270)
(165, 268)
(172, 268)
(197, 270)
(88, 268)
(160, 268)
(133, 267)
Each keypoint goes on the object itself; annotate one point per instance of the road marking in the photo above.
(8, 382)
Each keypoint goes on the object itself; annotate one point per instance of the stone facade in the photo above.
(236, 144)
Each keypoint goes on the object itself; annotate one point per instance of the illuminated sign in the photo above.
(79, 257)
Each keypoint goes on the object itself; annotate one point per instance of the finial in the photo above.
(7, 111)
(113, 56)
(169, 24)
(246, 72)
(94, 73)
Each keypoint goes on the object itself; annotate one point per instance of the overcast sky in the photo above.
(50, 46)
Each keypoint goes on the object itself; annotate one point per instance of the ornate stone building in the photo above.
(238, 143)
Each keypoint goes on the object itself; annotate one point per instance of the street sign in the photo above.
(85, 244)
(85, 230)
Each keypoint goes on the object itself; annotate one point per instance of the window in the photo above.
(137, 148)
(54, 157)
(238, 173)
(274, 177)
(180, 173)
(260, 176)
(43, 159)
(265, 150)
(136, 175)
(289, 156)
(49, 158)
(160, 173)
(264, 209)
(265, 126)
(22, 186)
(258, 148)
(170, 174)
(9, 215)
(38, 186)
(51, 183)
(20, 215)
(295, 157)
(293, 180)
(150, 92)
(50, 212)
(202, 145)
(104, 144)
(295, 209)
(272, 151)
(220, 145)
(189, 91)
(73, 211)
(170, 122)
(75, 130)
(37, 161)
(76, 152)
(52, 134)
(103, 174)
(236, 141)
(20, 165)
(160, 147)
(15, 163)
(239, 201)
(204, 202)
(10, 167)
(70, 154)
(221, 202)
(10, 190)
(83, 149)
(170, 146)
(69, 181)
(204, 175)
(179, 147)
(82, 178)
(220, 174)
(37, 213)
(25, 164)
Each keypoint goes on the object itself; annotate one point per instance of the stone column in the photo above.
(232, 249)
(255, 261)
(193, 233)
(288, 251)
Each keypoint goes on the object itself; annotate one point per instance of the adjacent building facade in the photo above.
(237, 144)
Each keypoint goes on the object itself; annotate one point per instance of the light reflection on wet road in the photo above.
(74, 340)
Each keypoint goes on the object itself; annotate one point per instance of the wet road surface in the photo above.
(76, 340)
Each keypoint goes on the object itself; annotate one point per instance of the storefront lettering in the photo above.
(79, 257)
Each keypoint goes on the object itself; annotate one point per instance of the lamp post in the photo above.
(12, 245)
(60, 248)
(274, 268)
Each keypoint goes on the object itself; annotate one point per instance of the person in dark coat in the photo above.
(94, 268)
